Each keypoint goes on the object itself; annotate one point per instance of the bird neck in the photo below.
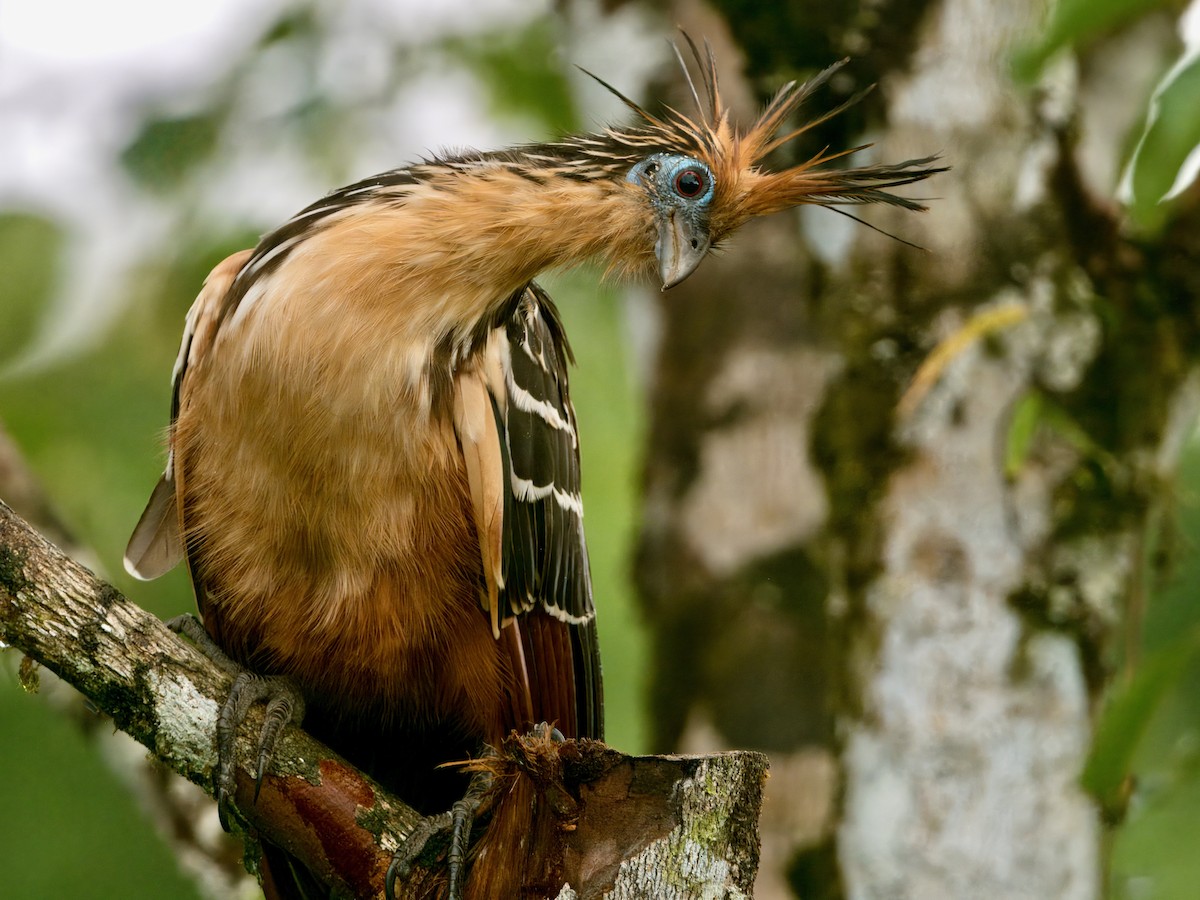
(433, 259)
(499, 228)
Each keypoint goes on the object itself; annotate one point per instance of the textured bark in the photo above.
(182, 814)
(982, 641)
(165, 694)
(626, 823)
(846, 519)
(668, 828)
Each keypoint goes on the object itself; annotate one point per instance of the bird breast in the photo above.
(327, 501)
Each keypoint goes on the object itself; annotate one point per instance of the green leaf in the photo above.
(1035, 411)
(169, 149)
(1021, 430)
(1172, 133)
(1154, 855)
(1075, 22)
(1127, 716)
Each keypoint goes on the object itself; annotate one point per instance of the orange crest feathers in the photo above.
(743, 189)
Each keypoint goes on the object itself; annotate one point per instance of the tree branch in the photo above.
(181, 814)
(641, 826)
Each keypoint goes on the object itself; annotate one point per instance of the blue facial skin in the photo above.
(680, 190)
(668, 179)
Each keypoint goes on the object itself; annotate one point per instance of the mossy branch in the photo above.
(664, 826)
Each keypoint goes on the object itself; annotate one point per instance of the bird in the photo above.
(373, 463)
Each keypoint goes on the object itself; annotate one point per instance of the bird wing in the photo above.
(156, 545)
(517, 430)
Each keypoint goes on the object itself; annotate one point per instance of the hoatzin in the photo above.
(373, 470)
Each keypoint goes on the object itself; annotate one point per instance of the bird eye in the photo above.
(689, 183)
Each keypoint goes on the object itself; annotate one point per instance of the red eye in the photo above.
(689, 183)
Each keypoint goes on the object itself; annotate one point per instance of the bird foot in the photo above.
(457, 824)
(285, 704)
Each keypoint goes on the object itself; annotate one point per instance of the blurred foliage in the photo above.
(1075, 22)
(1036, 412)
(68, 828)
(30, 248)
(168, 149)
(1147, 741)
(1170, 131)
(607, 401)
(1127, 717)
(523, 73)
(1171, 134)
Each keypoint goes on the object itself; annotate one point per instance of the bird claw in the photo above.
(193, 629)
(284, 701)
(284, 704)
(457, 823)
(412, 848)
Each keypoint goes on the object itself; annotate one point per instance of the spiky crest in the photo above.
(744, 190)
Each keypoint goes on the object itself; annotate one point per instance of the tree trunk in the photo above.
(901, 497)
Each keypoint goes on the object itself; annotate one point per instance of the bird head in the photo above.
(701, 177)
(680, 190)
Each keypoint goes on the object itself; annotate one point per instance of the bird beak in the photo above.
(680, 247)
